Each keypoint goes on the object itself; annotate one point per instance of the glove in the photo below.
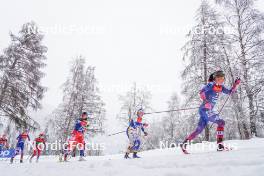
(208, 106)
(145, 133)
(145, 125)
(237, 82)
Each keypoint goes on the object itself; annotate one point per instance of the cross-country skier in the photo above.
(134, 134)
(39, 143)
(209, 94)
(77, 138)
(21, 139)
(3, 142)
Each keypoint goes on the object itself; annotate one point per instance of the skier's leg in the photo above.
(33, 155)
(131, 141)
(136, 145)
(82, 149)
(74, 152)
(80, 144)
(38, 154)
(219, 131)
(128, 149)
(136, 148)
(15, 154)
(19, 148)
(1, 147)
(67, 151)
(201, 125)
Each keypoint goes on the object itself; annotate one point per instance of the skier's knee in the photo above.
(136, 145)
(201, 127)
(221, 123)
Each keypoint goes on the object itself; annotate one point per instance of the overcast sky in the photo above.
(127, 41)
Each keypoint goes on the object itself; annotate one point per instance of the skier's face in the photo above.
(84, 116)
(219, 80)
(140, 114)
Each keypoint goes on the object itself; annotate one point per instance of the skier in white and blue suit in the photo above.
(134, 134)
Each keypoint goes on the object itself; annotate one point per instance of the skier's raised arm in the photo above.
(233, 89)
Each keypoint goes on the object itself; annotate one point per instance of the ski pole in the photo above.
(116, 133)
(129, 115)
(224, 104)
(222, 107)
(157, 112)
(173, 110)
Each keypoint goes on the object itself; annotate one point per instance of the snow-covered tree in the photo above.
(133, 100)
(80, 93)
(20, 76)
(172, 121)
(246, 35)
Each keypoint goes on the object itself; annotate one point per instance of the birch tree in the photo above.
(246, 33)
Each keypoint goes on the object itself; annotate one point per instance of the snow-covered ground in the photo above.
(247, 160)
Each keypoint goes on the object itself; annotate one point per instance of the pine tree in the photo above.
(21, 73)
(81, 94)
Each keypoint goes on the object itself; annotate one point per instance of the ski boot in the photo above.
(11, 160)
(135, 155)
(65, 157)
(21, 157)
(184, 147)
(82, 158)
(220, 145)
(127, 156)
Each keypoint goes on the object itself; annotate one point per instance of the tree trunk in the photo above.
(239, 113)
(245, 76)
(207, 130)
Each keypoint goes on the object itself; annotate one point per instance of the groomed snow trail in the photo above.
(247, 160)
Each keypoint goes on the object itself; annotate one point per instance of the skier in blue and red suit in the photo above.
(134, 134)
(77, 138)
(209, 94)
(21, 139)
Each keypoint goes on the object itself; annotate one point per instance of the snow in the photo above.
(247, 159)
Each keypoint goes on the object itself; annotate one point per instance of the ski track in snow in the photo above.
(248, 160)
